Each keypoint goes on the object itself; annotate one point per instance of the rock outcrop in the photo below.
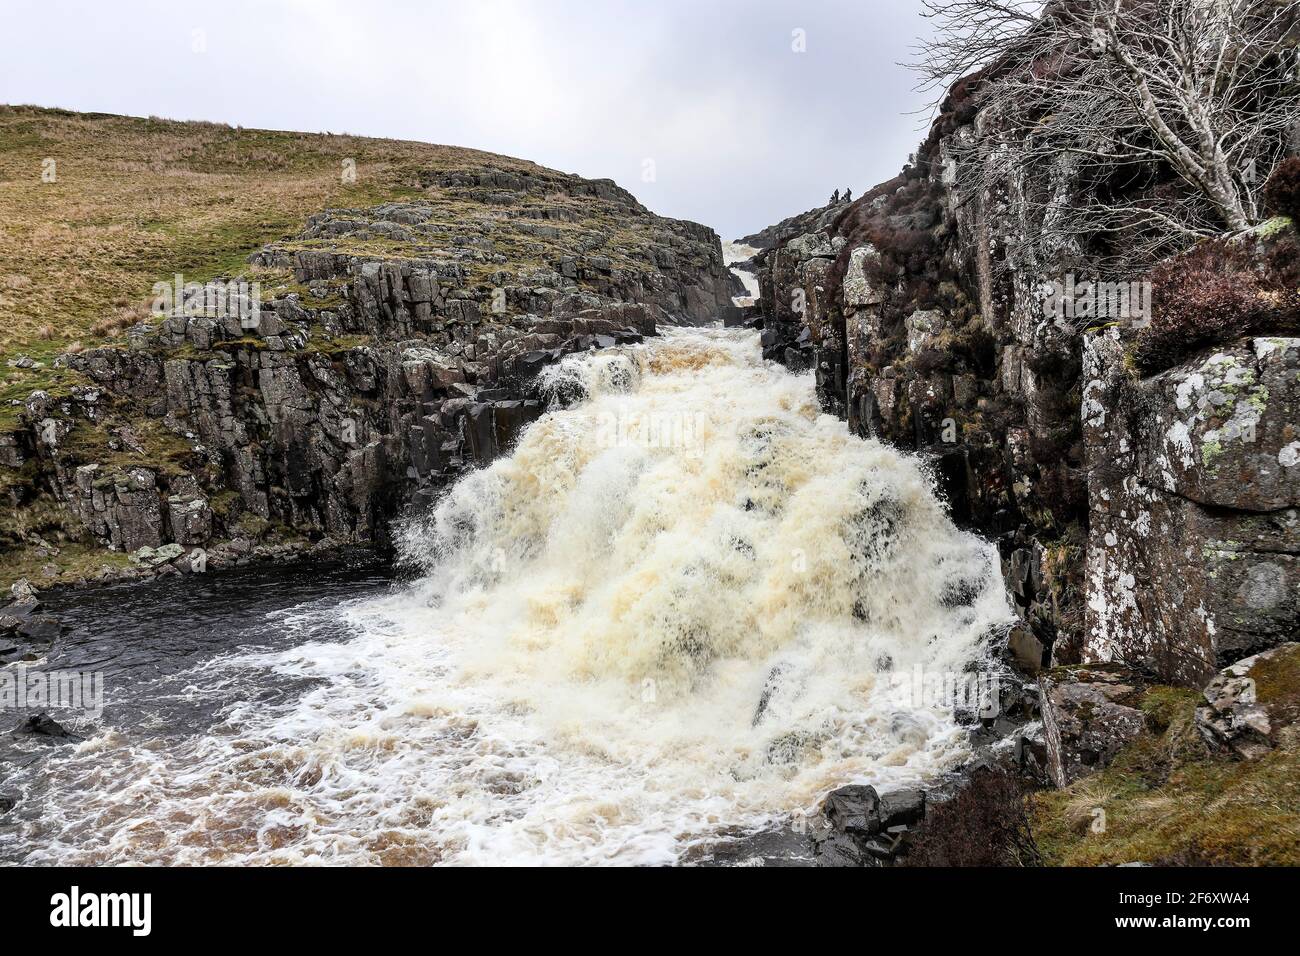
(26, 632)
(863, 828)
(1146, 517)
(1253, 706)
(390, 349)
(1089, 714)
(1194, 490)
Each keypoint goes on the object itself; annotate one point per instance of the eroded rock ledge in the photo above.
(395, 347)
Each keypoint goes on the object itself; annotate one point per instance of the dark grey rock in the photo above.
(1089, 715)
(853, 809)
(902, 808)
(43, 725)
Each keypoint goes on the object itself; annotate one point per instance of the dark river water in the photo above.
(151, 643)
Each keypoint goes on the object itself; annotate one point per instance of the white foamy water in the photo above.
(733, 252)
(673, 612)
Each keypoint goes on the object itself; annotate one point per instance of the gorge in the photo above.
(522, 525)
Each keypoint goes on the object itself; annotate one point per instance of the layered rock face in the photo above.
(1146, 521)
(393, 349)
(921, 337)
(1194, 491)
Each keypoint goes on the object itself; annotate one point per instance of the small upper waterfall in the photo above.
(737, 252)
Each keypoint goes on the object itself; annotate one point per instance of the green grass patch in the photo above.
(1166, 799)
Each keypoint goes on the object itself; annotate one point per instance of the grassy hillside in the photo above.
(136, 200)
(96, 209)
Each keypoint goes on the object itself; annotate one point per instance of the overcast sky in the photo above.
(741, 129)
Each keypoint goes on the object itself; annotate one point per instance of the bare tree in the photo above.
(1170, 113)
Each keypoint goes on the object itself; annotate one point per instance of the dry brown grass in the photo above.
(136, 200)
(1167, 800)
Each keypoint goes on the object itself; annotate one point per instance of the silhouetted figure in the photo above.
(848, 194)
(835, 197)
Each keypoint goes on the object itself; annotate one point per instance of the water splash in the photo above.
(674, 610)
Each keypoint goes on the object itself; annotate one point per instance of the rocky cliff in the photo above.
(391, 347)
(1145, 510)
(1139, 469)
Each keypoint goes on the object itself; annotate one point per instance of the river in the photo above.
(676, 615)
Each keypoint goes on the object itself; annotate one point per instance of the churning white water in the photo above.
(677, 610)
(734, 252)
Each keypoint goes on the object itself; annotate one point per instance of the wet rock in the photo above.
(771, 686)
(21, 609)
(782, 846)
(43, 725)
(833, 848)
(39, 629)
(854, 809)
(908, 729)
(862, 828)
(1089, 714)
(1026, 650)
(25, 633)
(1253, 705)
(7, 802)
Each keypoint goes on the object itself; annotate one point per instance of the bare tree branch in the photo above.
(1169, 114)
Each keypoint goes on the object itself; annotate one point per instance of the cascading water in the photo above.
(678, 609)
(734, 253)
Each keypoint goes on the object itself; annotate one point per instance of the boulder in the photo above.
(43, 725)
(1089, 714)
(863, 828)
(853, 809)
(1253, 705)
(152, 557)
(902, 808)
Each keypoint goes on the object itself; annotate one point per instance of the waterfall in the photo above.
(736, 252)
(687, 604)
